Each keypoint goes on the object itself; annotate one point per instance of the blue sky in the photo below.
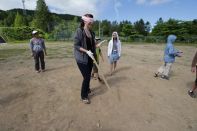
(132, 10)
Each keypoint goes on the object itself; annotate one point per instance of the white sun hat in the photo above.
(34, 32)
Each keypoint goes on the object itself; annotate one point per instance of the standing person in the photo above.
(114, 51)
(194, 69)
(98, 54)
(169, 58)
(37, 46)
(84, 49)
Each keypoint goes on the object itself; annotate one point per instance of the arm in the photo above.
(194, 61)
(172, 51)
(31, 47)
(109, 48)
(44, 47)
(77, 41)
(101, 54)
(119, 49)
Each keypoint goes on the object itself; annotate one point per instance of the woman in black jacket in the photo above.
(84, 49)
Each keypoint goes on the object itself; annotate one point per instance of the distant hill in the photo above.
(7, 17)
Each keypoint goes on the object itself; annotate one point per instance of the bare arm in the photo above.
(194, 60)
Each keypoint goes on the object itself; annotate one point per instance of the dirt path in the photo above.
(137, 101)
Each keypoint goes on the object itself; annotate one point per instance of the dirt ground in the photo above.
(137, 101)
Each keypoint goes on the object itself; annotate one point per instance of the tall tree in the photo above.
(160, 21)
(147, 28)
(140, 27)
(10, 19)
(42, 16)
(19, 20)
(106, 26)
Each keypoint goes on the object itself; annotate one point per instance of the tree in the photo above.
(19, 20)
(106, 26)
(160, 21)
(147, 28)
(128, 30)
(42, 16)
(114, 26)
(10, 19)
(140, 27)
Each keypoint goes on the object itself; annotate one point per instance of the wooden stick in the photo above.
(105, 81)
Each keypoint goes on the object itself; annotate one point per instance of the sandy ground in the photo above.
(137, 101)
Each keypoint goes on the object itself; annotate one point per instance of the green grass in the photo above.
(144, 43)
(56, 49)
(6, 53)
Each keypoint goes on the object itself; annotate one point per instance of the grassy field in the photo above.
(50, 101)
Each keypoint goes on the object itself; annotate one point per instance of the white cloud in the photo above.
(152, 2)
(75, 7)
(141, 1)
(117, 5)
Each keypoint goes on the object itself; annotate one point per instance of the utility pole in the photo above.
(24, 10)
(99, 29)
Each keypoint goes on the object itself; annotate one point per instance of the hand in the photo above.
(32, 54)
(193, 69)
(179, 54)
(90, 54)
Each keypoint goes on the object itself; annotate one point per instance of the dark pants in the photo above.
(39, 58)
(86, 73)
(196, 77)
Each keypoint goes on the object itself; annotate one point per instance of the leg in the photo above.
(90, 66)
(191, 92)
(167, 70)
(159, 71)
(111, 68)
(115, 64)
(42, 61)
(86, 73)
(95, 71)
(36, 60)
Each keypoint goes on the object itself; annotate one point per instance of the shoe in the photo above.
(95, 78)
(156, 75)
(43, 70)
(165, 77)
(100, 80)
(90, 93)
(37, 71)
(85, 101)
(191, 94)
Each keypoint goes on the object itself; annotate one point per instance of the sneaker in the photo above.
(85, 101)
(100, 80)
(165, 77)
(37, 71)
(191, 94)
(90, 93)
(43, 70)
(156, 75)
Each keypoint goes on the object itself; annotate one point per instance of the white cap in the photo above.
(34, 32)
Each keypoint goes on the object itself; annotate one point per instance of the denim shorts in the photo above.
(114, 57)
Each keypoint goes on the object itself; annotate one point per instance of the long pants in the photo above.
(39, 58)
(165, 69)
(86, 73)
(196, 77)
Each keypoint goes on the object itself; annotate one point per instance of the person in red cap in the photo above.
(38, 49)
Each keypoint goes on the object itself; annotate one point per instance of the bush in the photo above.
(20, 33)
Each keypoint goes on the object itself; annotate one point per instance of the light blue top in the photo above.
(170, 52)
